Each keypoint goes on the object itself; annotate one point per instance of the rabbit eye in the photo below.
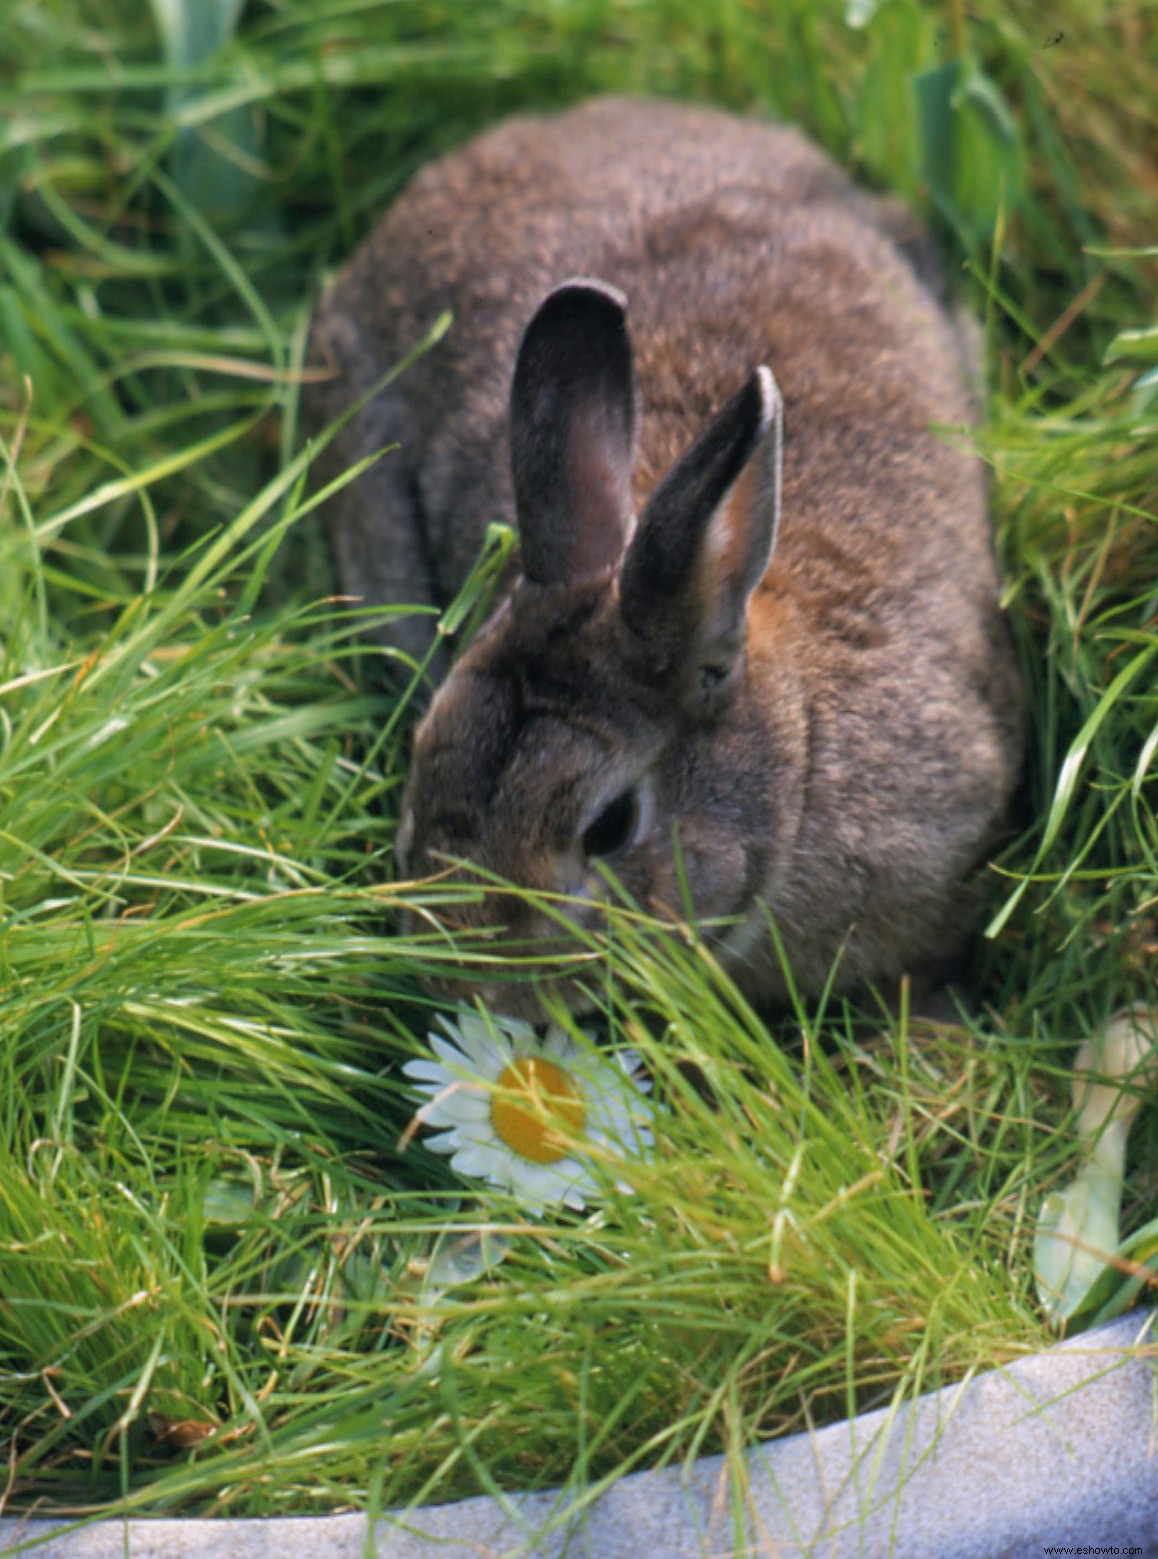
(614, 828)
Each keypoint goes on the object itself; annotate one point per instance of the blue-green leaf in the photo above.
(887, 136)
(191, 30)
(859, 13)
(216, 164)
(971, 152)
(1142, 344)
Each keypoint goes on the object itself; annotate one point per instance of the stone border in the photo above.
(1057, 1449)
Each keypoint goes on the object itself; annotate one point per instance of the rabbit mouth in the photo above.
(532, 978)
(535, 1001)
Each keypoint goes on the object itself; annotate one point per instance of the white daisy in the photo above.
(529, 1114)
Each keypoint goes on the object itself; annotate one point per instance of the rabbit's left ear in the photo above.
(573, 434)
(705, 538)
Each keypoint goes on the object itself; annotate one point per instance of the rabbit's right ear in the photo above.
(705, 538)
(573, 434)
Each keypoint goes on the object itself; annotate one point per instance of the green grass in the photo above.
(213, 1253)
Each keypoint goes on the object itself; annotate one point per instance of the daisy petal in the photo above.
(460, 1109)
(474, 1048)
(450, 1055)
(425, 1069)
(444, 1142)
(477, 1159)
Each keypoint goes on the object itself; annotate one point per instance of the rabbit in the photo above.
(751, 653)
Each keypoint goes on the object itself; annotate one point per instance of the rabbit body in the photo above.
(820, 727)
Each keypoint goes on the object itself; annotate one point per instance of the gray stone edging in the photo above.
(1057, 1449)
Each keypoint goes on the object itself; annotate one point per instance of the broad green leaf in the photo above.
(1116, 1289)
(971, 152)
(859, 13)
(1134, 343)
(901, 37)
(192, 29)
(1076, 1235)
(216, 165)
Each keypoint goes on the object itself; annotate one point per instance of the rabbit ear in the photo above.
(705, 537)
(573, 434)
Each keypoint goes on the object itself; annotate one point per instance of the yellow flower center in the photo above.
(537, 1110)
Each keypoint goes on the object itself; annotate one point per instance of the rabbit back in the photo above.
(737, 243)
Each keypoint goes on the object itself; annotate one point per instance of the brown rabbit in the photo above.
(820, 727)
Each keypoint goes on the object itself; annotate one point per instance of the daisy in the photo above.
(528, 1114)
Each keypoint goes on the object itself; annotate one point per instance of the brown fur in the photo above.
(858, 758)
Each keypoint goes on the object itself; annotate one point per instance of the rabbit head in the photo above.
(603, 717)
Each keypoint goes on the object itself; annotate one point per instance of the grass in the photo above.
(214, 1256)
